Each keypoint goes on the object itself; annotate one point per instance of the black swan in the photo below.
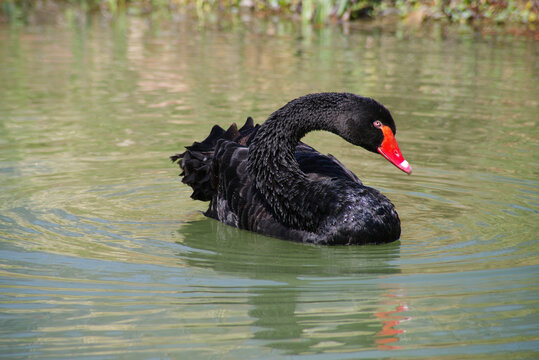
(262, 178)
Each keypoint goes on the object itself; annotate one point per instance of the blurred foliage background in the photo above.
(315, 11)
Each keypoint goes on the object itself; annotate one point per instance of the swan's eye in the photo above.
(377, 124)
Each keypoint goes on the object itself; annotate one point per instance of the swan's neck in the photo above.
(277, 176)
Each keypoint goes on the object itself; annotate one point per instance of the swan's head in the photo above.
(367, 123)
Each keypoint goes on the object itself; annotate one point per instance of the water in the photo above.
(104, 255)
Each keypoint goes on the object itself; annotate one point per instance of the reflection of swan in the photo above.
(302, 299)
(220, 247)
(263, 179)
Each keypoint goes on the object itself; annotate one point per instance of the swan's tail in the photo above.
(196, 162)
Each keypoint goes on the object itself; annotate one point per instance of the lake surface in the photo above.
(103, 254)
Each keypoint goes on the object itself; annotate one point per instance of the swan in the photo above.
(264, 179)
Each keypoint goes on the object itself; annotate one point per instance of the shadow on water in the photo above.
(310, 298)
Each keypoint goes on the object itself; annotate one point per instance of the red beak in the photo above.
(390, 150)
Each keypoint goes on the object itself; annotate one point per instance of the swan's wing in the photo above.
(318, 166)
(197, 160)
(234, 200)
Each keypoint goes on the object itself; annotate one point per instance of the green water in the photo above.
(103, 254)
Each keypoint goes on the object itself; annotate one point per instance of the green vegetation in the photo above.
(317, 11)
